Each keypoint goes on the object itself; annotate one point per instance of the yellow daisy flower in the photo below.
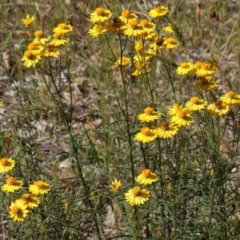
(115, 25)
(115, 185)
(156, 42)
(168, 29)
(202, 69)
(140, 68)
(59, 39)
(146, 177)
(149, 115)
(39, 187)
(31, 201)
(175, 109)
(12, 185)
(137, 196)
(165, 130)
(6, 165)
(30, 59)
(28, 21)
(18, 210)
(40, 37)
(148, 27)
(100, 15)
(146, 135)
(133, 29)
(124, 61)
(1, 104)
(158, 11)
(206, 83)
(35, 48)
(230, 98)
(195, 104)
(170, 43)
(127, 16)
(139, 46)
(97, 30)
(63, 28)
(143, 56)
(50, 51)
(218, 108)
(182, 118)
(184, 68)
(213, 64)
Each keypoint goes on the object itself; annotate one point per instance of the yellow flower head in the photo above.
(146, 135)
(97, 30)
(59, 39)
(35, 48)
(182, 118)
(140, 68)
(28, 21)
(115, 185)
(136, 196)
(40, 37)
(146, 177)
(168, 29)
(30, 201)
(202, 69)
(184, 68)
(165, 130)
(206, 84)
(30, 59)
(218, 108)
(133, 29)
(12, 185)
(158, 11)
(157, 42)
(175, 109)
(170, 43)
(6, 165)
(195, 104)
(213, 64)
(63, 28)
(127, 16)
(148, 27)
(124, 61)
(39, 187)
(50, 51)
(18, 210)
(100, 15)
(139, 46)
(149, 115)
(115, 25)
(230, 98)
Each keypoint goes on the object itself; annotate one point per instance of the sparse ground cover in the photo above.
(119, 119)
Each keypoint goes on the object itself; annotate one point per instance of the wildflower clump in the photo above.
(142, 31)
(44, 45)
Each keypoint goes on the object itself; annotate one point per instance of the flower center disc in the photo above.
(148, 110)
(136, 191)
